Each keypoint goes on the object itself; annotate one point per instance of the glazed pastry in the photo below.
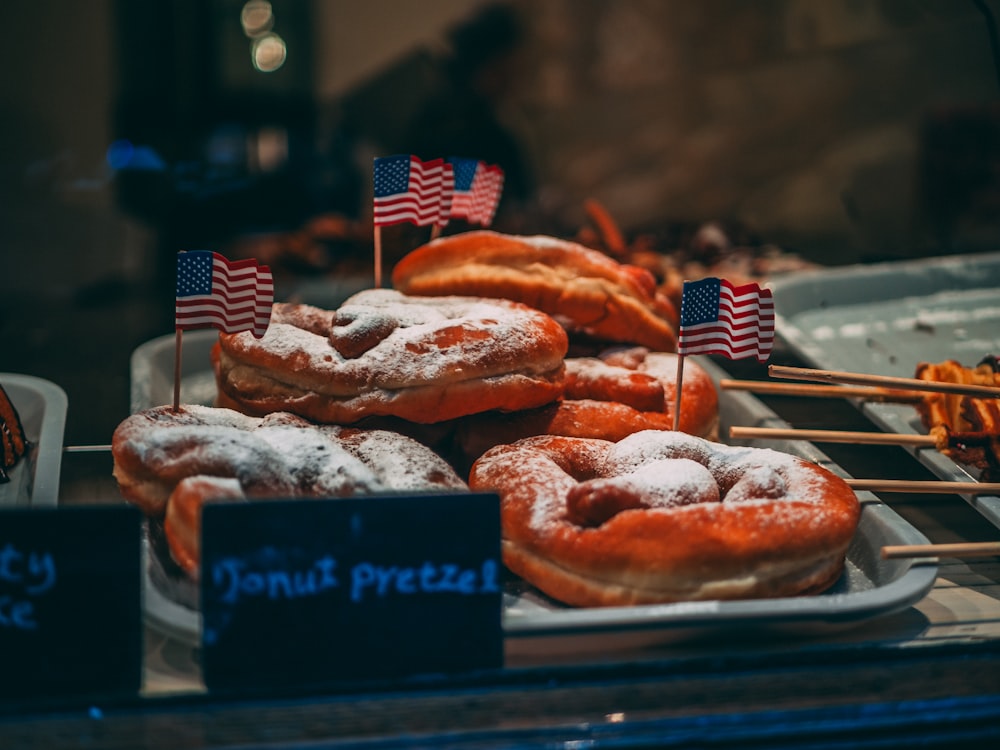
(582, 288)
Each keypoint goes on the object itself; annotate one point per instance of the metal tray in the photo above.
(870, 588)
(41, 405)
(886, 318)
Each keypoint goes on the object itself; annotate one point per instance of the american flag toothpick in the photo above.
(718, 317)
(214, 292)
(407, 189)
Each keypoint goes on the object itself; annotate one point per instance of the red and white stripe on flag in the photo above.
(486, 189)
(214, 292)
(718, 317)
(477, 190)
(407, 189)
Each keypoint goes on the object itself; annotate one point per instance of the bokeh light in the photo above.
(257, 18)
(268, 52)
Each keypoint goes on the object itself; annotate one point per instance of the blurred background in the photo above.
(838, 132)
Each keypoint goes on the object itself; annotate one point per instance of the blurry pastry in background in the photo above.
(589, 293)
(677, 253)
(318, 246)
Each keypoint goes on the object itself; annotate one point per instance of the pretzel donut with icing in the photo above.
(610, 396)
(582, 288)
(383, 353)
(665, 517)
(169, 463)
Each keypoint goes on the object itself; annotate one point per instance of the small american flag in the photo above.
(720, 318)
(232, 296)
(407, 189)
(477, 190)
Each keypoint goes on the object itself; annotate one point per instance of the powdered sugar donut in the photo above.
(382, 353)
(168, 463)
(664, 517)
(608, 396)
(647, 382)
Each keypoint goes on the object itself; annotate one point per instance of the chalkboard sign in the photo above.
(305, 592)
(70, 601)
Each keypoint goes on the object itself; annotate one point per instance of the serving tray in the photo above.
(885, 319)
(41, 405)
(870, 587)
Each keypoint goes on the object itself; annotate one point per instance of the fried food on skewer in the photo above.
(965, 428)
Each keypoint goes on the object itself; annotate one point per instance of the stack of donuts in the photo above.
(521, 365)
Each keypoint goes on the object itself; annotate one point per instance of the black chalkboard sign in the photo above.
(303, 592)
(70, 601)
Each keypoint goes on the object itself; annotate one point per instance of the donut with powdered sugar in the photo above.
(609, 396)
(664, 517)
(584, 289)
(385, 354)
(168, 463)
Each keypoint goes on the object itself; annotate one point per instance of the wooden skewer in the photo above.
(924, 486)
(876, 438)
(86, 448)
(957, 549)
(832, 436)
(855, 378)
(819, 391)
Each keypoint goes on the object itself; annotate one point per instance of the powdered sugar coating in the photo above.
(279, 455)
(593, 378)
(664, 516)
(661, 469)
(664, 469)
(398, 463)
(727, 465)
(690, 482)
(439, 340)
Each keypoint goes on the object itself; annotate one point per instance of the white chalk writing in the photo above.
(237, 580)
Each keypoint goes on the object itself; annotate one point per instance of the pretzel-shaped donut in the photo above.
(384, 354)
(169, 463)
(610, 396)
(663, 516)
(582, 288)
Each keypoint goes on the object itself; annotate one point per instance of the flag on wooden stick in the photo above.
(718, 317)
(213, 292)
(232, 296)
(409, 190)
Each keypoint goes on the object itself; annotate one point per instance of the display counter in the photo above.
(903, 653)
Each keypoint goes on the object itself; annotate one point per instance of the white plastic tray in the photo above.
(885, 319)
(41, 404)
(870, 588)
